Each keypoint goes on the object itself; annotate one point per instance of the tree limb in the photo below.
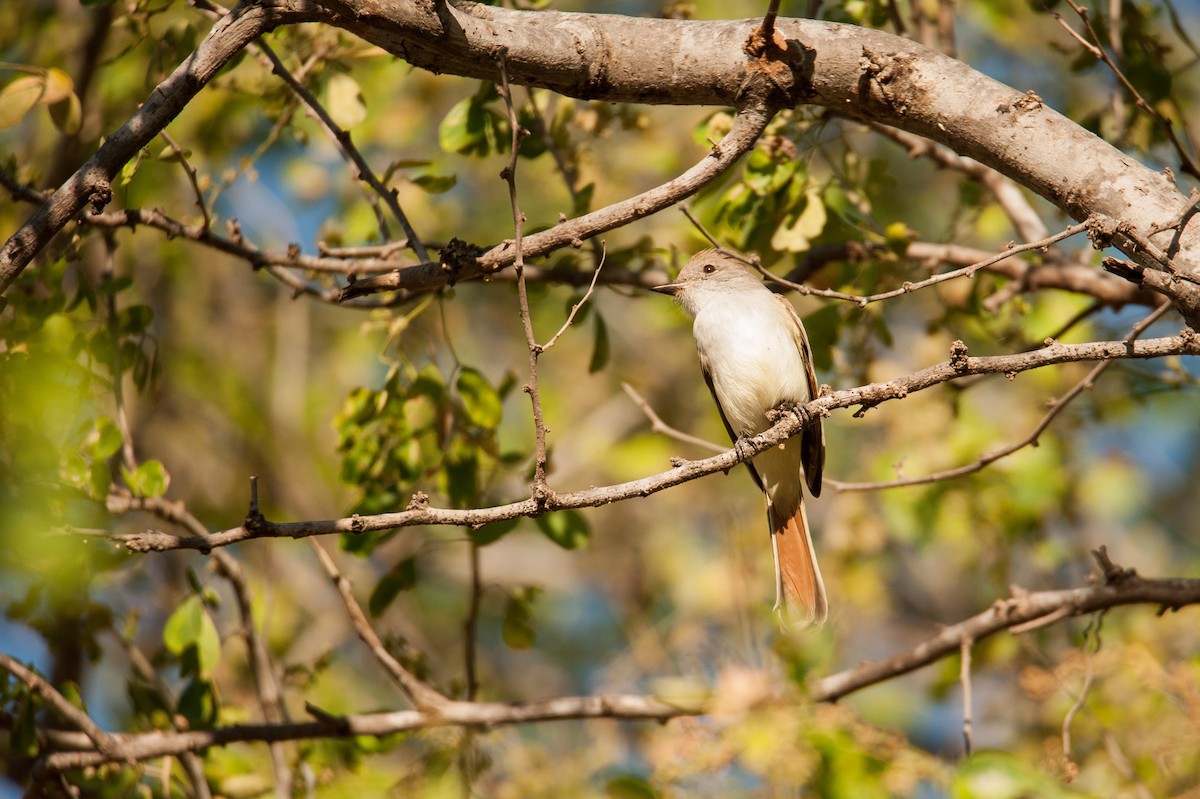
(1020, 612)
(1023, 610)
(868, 396)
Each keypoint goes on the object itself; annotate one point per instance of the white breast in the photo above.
(748, 347)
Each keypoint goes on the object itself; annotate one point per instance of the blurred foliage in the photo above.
(143, 369)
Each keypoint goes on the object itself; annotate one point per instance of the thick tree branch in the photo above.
(864, 74)
(868, 75)
(418, 513)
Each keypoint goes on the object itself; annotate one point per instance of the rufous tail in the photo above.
(799, 588)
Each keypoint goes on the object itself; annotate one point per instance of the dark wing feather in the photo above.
(728, 427)
(812, 440)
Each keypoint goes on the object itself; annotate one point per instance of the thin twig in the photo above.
(1056, 407)
(909, 287)
(349, 151)
(1094, 47)
(266, 686)
(541, 489)
(423, 696)
(191, 174)
(108, 745)
(1004, 614)
(659, 426)
(575, 308)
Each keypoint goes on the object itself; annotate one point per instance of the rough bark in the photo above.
(860, 73)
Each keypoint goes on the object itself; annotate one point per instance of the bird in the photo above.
(755, 356)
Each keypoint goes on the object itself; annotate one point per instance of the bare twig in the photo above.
(659, 426)
(575, 308)
(92, 182)
(423, 696)
(1056, 407)
(109, 746)
(266, 685)
(1127, 588)
(349, 151)
(1008, 614)
(867, 396)
(191, 175)
(541, 489)
(748, 125)
(1095, 48)
(910, 287)
(146, 746)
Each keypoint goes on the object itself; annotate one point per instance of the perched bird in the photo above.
(755, 356)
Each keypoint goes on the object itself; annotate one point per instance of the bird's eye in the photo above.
(709, 269)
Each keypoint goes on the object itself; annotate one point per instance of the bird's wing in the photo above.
(812, 444)
(728, 427)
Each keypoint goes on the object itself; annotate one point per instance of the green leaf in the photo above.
(822, 328)
(480, 400)
(402, 577)
(471, 128)
(183, 625)
(600, 349)
(344, 101)
(191, 634)
(131, 167)
(436, 184)
(104, 440)
(567, 528)
(23, 734)
(148, 480)
(629, 786)
(462, 476)
(198, 705)
(516, 629)
(135, 319)
(490, 533)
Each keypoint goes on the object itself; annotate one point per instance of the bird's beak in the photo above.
(667, 288)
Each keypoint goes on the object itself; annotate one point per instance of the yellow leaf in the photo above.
(59, 87)
(343, 101)
(798, 236)
(18, 97)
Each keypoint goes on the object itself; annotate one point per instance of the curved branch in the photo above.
(865, 74)
(92, 183)
(145, 746)
(1022, 612)
(861, 73)
(747, 126)
(868, 396)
